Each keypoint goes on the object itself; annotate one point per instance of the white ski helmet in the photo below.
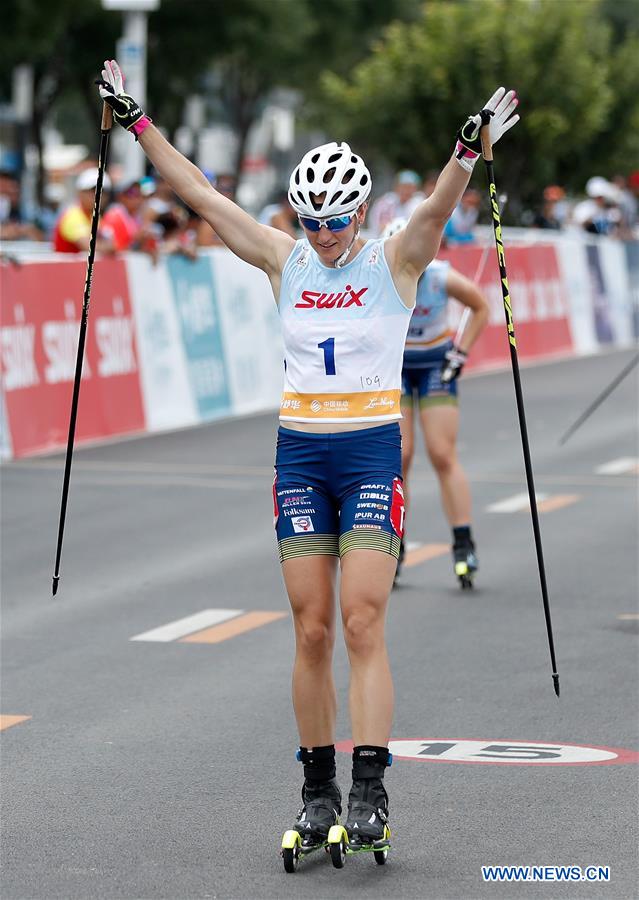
(335, 171)
(393, 227)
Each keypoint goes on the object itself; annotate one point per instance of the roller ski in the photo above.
(466, 563)
(321, 808)
(366, 829)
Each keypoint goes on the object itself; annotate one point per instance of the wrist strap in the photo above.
(138, 127)
(465, 157)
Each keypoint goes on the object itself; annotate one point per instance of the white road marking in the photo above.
(516, 503)
(621, 466)
(188, 625)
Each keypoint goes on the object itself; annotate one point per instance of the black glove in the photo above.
(452, 365)
(126, 111)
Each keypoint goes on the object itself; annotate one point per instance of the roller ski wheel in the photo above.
(337, 845)
(295, 848)
(320, 812)
(465, 565)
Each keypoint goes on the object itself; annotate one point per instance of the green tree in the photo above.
(405, 102)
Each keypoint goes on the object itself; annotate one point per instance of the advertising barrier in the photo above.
(182, 342)
(41, 308)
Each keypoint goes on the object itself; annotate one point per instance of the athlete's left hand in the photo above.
(499, 112)
(452, 365)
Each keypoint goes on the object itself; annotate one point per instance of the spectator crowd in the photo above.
(145, 214)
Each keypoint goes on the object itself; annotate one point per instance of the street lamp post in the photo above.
(131, 54)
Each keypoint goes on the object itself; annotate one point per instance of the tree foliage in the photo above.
(579, 93)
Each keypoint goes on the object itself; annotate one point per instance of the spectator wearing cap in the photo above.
(460, 228)
(400, 203)
(599, 214)
(123, 219)
(72, 230)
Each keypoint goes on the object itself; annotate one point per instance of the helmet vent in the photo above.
(351, 198)
(310, 175)
(297, 176)
(348, 176)
(334, 157)
(363, 180)
(336, 197)
(315, 158)
(329, 175)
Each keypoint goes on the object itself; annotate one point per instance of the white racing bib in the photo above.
(344, 332)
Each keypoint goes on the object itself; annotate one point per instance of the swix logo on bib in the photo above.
(339, 300)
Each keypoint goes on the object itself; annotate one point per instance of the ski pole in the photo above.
(600, 399)
(487, 153)
(105, 128)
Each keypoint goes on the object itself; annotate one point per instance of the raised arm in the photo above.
(411, 249)
(261, 246)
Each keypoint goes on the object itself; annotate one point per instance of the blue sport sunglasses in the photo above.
(337, 223)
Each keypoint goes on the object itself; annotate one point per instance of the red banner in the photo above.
(539, 301)
(41, 309)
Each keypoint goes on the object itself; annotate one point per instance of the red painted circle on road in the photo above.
(475, 751)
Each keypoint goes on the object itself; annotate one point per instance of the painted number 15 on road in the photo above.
(508, 752)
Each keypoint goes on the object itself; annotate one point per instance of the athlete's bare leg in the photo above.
(440, 425)
(367, 579)
(310, 583)
(407, 428)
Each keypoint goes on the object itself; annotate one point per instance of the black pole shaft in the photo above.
(600, 399)
(104, 143)
(501, 258)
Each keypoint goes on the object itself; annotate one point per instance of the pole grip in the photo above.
(486, 146)
(107, 117)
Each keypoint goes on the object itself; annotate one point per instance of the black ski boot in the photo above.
(366, 827)
(464, 557)
(321, 806)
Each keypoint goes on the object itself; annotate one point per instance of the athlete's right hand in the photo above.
(126, 111)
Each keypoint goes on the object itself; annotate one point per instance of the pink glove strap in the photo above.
(465, 157)
(140, 125)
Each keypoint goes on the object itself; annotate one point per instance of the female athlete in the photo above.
(345, 304)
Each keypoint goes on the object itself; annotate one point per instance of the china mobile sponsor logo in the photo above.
(545, 873)
(342, 300)
(330, 405)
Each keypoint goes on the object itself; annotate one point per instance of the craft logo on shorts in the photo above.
(302, 524)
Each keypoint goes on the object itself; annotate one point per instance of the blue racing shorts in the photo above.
(421, 373)
(338, 492)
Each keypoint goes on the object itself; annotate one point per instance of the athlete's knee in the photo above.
(363, 628)
(314, 638)
(443, 458)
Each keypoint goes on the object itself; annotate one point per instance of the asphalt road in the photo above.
(166, 769)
